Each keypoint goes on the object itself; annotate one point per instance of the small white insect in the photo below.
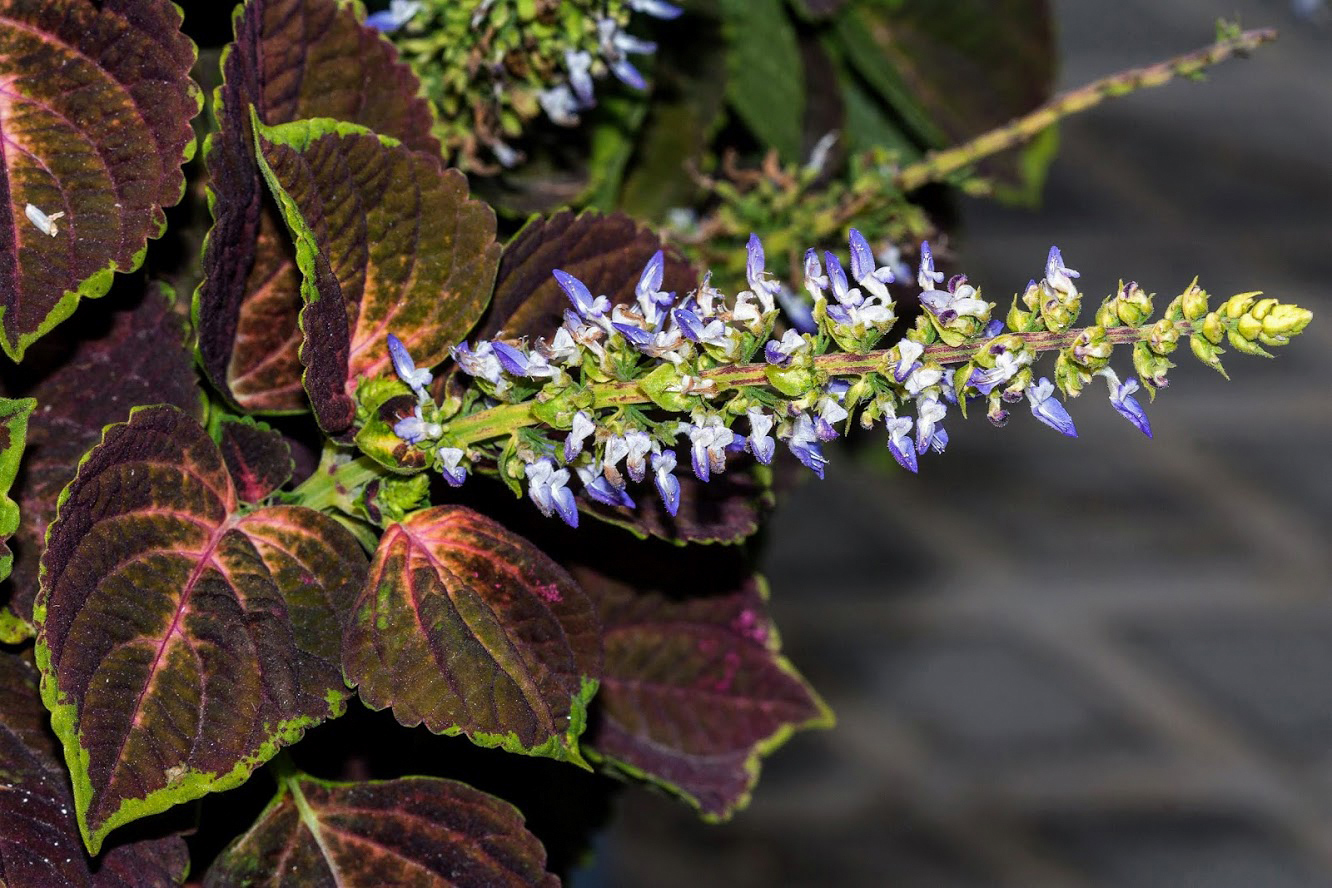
(46, 224)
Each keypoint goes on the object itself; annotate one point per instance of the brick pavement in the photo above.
(1125, 682)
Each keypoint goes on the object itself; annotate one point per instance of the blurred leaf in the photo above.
(473, 630)
(39, 839)
(765, 82)
(292, 59)
(695, 690)
(98, 102)
(181, 646)
(420, 831)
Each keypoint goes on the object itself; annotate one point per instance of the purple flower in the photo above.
(804, 443)
(588, 308)
(450, 459)
(708, 438)
(864, 269)
(927, 277)
(547, 488)
(929, 411)
(399, 13)
(600, 489)
(668, 486)
(580, 76)
(581, 428)
(414, 428)
(511, 359)
(637, 444)
(899, 442)
(759, 285)
(710, 331)
(1048, 410)
(658, 9)
(406, 368)
(560, 104)
(908, 361)
(1121, 398)
(760, 443)
(815, 280)
(798, 312)
(648, 290)
(780, 353)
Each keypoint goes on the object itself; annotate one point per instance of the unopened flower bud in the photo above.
(1163, 337)
(1069, 377)
(1193, 302)
(1017, 318)
(1238, 304)
(1262, 307)
(1134, 305)
(1248, 326)
(1213, 328)
(1091, 349)
(1206, 352)
(1151, 367)
(1286, 320)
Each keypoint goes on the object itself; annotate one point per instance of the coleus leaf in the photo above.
(39, 839)
(413, 831)
(136, 356)
(695, 690)
(765, 82)
(473, 630)
(258, 457)
(387, 241)
(181, 645)
(95, 127)
(14, 413)
(291, 59)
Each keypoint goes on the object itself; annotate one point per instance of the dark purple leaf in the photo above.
(292, 59)
(110, 363)
(181, 645)
(96, 124)
(39, 838)
(473, 630)
(257, 456)
(420, 831)
(605, 252)
(695, 690)
(387, 240)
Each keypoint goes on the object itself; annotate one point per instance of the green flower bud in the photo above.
(1106, 316)
(1069, 377)
(1262, 307)
(1206, 352)
(1134, 305)
(1151, 367)
(1163, 338)
(1018, 319)
(1238, 304)
(1246, 346)
(1058, 316)
(1091, 349)
(1193, 301)
(1213, 328)
(1248, 326)
(1286, 320)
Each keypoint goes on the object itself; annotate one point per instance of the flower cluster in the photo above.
(491, 66)
(621, 390)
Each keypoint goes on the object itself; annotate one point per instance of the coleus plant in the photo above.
(202, 588)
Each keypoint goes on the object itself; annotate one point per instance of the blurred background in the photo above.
(1094, 662)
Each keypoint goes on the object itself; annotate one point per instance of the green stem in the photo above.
(335, 484)
(941, 164)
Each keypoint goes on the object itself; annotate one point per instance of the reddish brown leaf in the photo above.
(419, 831)
(473, 630)
(292, 59)
(695, 690)
(387, 240)
(39, 839)
(258, 457)
(182, 646)
(94, 374)
(94, 125)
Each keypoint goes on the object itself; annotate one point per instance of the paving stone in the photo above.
(1265, 673)
(989, 699)
(1147, 849)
